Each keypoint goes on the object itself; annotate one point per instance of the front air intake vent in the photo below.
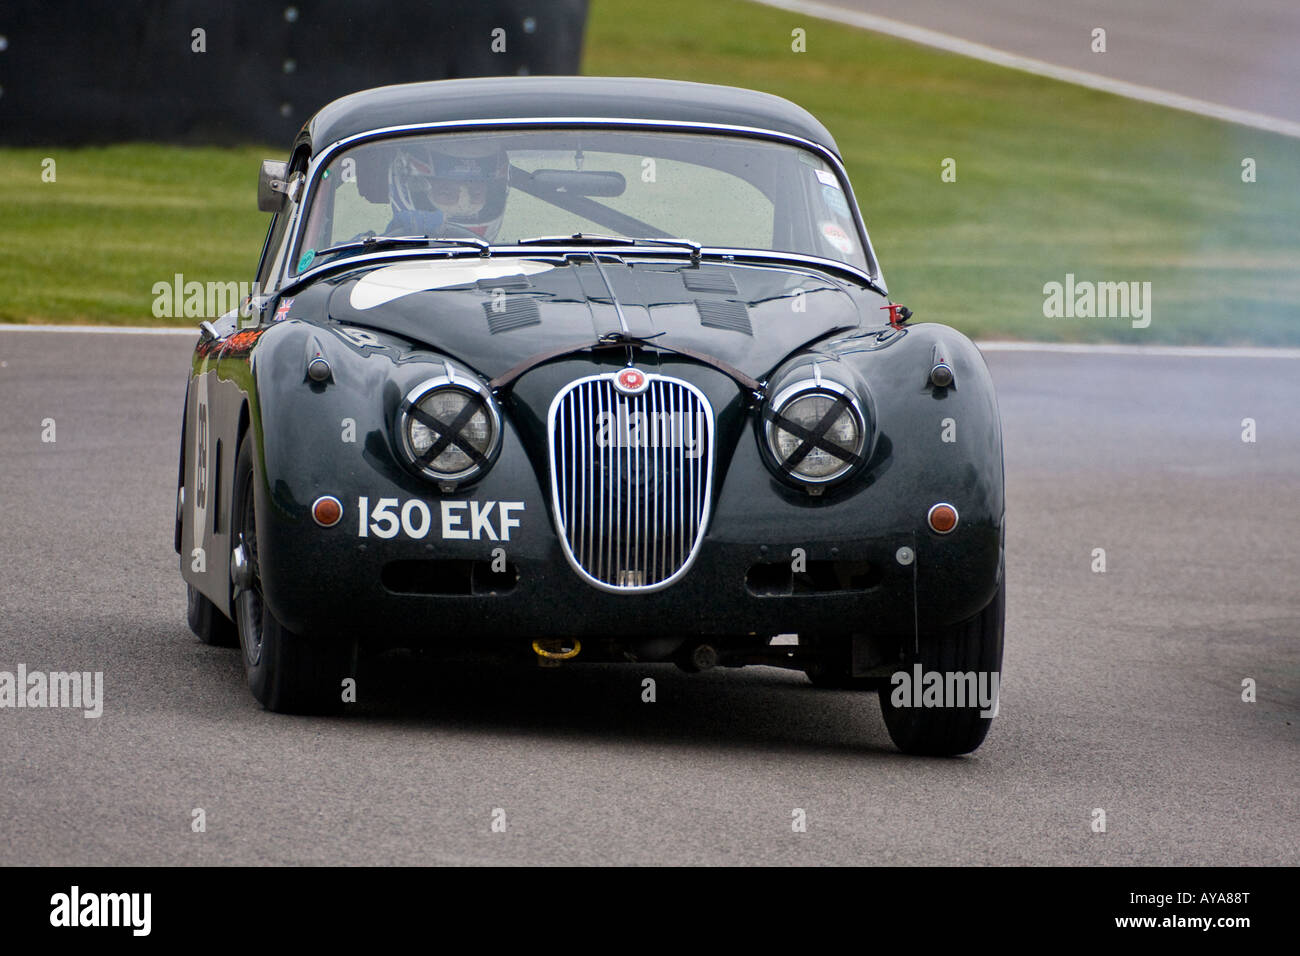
(631, 478)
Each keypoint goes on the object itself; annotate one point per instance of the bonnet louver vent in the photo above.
(512, 283)
(511, 314)
(721, 314)
(709, 280)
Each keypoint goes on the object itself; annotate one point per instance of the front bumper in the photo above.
(731, 590)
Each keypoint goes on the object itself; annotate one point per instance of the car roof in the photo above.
(560, 97)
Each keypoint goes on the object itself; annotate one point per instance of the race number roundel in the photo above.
(631, 381)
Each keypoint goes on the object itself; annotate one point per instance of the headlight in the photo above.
(816, 431)
(449, 428)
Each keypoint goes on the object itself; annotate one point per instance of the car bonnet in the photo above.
(495, 313)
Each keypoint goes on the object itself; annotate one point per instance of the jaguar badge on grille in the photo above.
(631, 381)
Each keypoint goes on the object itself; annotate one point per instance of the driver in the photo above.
(447, 190)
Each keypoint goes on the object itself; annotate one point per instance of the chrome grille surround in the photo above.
(630, 507)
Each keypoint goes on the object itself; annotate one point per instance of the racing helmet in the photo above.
(466, 182)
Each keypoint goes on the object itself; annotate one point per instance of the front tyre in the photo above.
(287, 673)
(974, 645)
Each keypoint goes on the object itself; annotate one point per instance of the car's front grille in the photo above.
(631, 479)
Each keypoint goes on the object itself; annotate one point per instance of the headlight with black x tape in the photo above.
(816, 431)
(449, 428)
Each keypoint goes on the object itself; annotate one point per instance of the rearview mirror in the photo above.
(272, 186)
(581, 182)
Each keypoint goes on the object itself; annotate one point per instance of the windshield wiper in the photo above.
(587, 239)
(378, 242)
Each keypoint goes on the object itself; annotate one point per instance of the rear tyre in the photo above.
(287, 673)
(209, 625)
(973, 645)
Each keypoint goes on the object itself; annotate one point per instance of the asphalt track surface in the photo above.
(1240, 54)
(1121, 690)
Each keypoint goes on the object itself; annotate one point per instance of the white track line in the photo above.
(952, 44)
(1081, 348)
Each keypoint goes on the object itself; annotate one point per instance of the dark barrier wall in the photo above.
(89, 71)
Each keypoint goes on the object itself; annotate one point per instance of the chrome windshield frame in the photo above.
(873, 275)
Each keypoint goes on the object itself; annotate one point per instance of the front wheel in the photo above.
(288, 673)
(972, 649)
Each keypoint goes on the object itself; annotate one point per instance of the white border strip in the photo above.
(106, 329)
(1068, 348)
(952, 44)
(1145, 351)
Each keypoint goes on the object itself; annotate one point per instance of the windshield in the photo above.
(511, 185)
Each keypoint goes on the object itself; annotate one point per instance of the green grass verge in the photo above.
(1051, 179)
(89, 246)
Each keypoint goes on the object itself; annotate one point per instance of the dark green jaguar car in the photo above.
(589, 369)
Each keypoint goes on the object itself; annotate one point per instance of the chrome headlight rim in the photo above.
(465, 383)
(802, 388)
